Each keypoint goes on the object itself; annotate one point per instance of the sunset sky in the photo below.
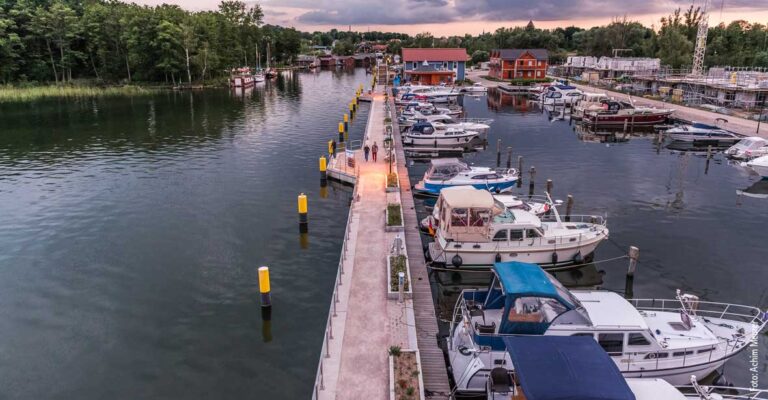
(457, 17)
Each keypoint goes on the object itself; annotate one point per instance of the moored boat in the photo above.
(450, 172)
(702, 133)
(476, 87)
(760, 165)
(241, 78)
(620, 113)
(475, 232)
(748, 148)
(645, 338)
(539, 205)
(427, 134)
(561, 95)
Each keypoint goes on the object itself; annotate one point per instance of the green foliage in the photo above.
(479, 56)
(394, 351)
(20, 94)
(393, 212)
(397, 265)
(112, 41)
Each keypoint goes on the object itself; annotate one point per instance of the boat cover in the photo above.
(565, 368)
(467, 197)
(524, 279)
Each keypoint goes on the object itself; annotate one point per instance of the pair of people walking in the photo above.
(373, 150)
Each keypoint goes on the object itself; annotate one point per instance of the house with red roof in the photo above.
(526, 64)
(433, 66)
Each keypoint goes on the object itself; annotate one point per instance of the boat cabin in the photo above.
(445, 168)
(467, 213)
(524, 300)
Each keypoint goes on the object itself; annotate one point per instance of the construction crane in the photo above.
(701, 42)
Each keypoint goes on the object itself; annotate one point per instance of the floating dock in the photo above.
(365, 320)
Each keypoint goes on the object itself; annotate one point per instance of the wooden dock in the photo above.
(435, 372)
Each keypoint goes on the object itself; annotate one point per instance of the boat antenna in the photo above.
(554, 210)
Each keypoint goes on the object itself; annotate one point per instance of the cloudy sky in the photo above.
(456, 17)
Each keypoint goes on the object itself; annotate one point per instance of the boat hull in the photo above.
(719, 141)
(640, 119)
(438, 141)
(760, 169)
(433, 188)
(484, 259)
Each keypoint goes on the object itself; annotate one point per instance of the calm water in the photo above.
(695, 233)
(132, 229)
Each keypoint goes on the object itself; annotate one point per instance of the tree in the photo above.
(675, 49)
(11, 47)
(479, 56)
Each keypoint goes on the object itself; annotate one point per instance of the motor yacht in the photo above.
(476, 231)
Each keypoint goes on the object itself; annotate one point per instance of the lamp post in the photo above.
(760, 115)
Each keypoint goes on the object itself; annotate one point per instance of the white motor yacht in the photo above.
(760, 165)
(748, 148)
(475, 232)
(703, 133)
(645, 338)
(436, 136)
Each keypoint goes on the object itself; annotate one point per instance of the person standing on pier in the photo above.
(366, 150)
(333, 148)
(374, 151)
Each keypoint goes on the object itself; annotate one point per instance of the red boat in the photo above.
(620, 113)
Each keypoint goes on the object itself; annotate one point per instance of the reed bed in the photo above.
(9, 94)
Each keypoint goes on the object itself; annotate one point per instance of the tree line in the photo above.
(111, 41)
(738, 43)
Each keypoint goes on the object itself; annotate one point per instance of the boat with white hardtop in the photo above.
(476, 232)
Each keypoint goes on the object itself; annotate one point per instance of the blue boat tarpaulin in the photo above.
(565, 368)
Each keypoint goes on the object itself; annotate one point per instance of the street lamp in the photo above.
(760, 115)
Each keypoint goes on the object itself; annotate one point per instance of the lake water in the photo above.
(693, 229)
(131, 230)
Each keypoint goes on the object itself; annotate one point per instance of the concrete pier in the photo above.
(363, 322)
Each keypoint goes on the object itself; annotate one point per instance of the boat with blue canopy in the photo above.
(646, 338)
(451, 172)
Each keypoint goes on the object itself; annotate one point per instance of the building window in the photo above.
(539, 74)
(500, 236)
(530, 63)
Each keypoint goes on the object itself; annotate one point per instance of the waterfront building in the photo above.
(434, 66)
(528, 64)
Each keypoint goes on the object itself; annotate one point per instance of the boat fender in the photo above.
(457, 261)
(498, 257)
(464, 350)
(578, 259)
(554, 257)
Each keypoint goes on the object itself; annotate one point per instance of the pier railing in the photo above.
(332, 314)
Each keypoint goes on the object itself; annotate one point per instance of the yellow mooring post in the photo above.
(352, 110)
(330, 148)
(341, 131)
(264, 288)
(323, 170)
(346, 122)
(303, 221)
(266, 304)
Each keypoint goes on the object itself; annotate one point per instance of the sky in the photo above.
(457, 17)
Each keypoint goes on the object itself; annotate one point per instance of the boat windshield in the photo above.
(564, 293)
(446, 171)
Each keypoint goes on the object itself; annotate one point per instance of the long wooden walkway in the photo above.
(435, 373)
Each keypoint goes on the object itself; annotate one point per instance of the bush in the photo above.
(397, 265)
(394, 351)
(394, 217)
(392, 180)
